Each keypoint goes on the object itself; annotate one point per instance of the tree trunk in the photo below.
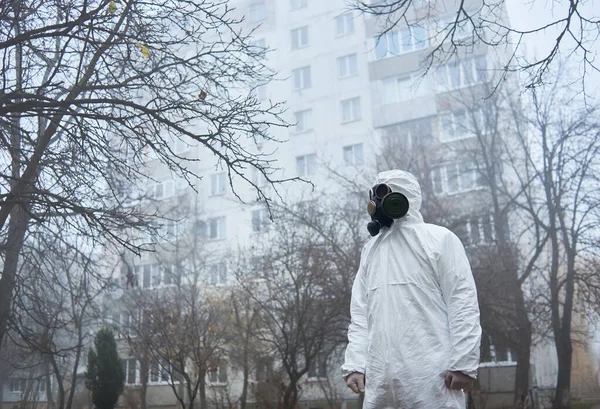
(144, 380)
(290, 398)
(523, 351)
(564, 349)
(202, 388)
(246, 365)
(79, 349)
(564, 345)
(17, 227)
(18, 216)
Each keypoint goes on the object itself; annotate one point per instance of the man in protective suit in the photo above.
(414, 336)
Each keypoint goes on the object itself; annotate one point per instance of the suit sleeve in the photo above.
(460, 295)
(356, 351)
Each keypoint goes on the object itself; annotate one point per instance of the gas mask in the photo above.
(384, 207)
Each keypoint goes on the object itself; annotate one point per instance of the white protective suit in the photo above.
(414, 311)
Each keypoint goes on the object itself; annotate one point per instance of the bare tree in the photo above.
(466, 25)
(561, 147)
(89, 90)
(55, 310)
(299, 283)
(478, 163)
(182, 331)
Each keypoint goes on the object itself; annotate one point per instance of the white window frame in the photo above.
(351, 110)
(353, 149)
(137, 379)
(258, 178)
(464, 28)
(299, 37)
(458, 122)
(218, 274)
(317, 370)
(220, 226)
(459, 169)
(306, 164)
(346, 23)
(218, 184)
(259, 91)
(303, 120)
(180, 146)
(415, 44)
(469, 73)
(217, 374)
(301, 78)
(298, 4)
(17, 381)
(394, 42)
(259, 43)
(162, 373)
(347, 65)
(464, 124)
(254, 15)
(260, 220)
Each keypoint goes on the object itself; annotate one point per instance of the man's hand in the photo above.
(458, 381)
(356, 382)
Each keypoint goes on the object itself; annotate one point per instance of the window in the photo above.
(344, 24)
(454, 126)
(218, 375)
(218, 274)
(493, 353)
(259, 92)
(147, 274)
(303, 120)
(151, 277)
(299, 37)
(259, 43)
(353, 154)
(260, 220)
(217, 228)
(256, 12)
(350, 109)
(476, 231)
(171, 275)
(462, 124)
(161, 190)
(403, 88)
(218, 184)
(413, 38)
(180, 146)
(456, 178)
(17, 385)
(318, 369)
(463, 29)
(347, 66)
(157, 275)
(131, 371)
(301, 77)
(460, 74)
(386, 45)
(298, 4)
(404, 41)
(154, 371)
(306, 165)
(407, 135)
(264, 369)
(258, 178)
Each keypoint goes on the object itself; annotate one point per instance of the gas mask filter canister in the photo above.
(384, 207)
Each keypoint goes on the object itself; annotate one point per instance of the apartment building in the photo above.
(349, 91)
